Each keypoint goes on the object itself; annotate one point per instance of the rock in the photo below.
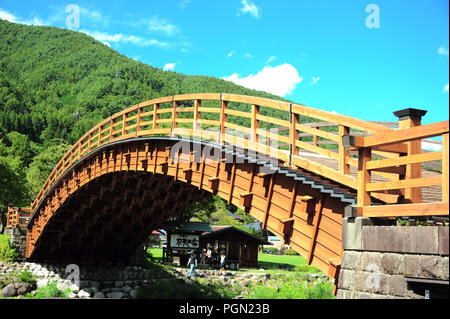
(62, 286)
(116, 295)
(83, 294)
(99, 294)
(26, 287)
(72, 295)
(126, 289)
(75, 289)
(9, 291)
(42, 283)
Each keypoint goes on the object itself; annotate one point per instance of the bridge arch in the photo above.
(103, 206)
(87, 207)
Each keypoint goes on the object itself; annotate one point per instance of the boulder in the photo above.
(116, 295)
(9, 291)
(42, 283)
(83, 294)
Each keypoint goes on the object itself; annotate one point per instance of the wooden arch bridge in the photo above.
(292, 167)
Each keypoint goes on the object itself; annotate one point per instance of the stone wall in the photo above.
(388, 261)
(19, 240)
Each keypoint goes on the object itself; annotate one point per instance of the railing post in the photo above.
(174, 116)
(293, 133)
(254, 125)
(196, 124)
(138, 120)
(155, 115)
(364, 177)
(223, 119)
(410, 118)
(124, 123)
(344, 168)
(445, 168)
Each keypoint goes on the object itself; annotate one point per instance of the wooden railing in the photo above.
(242, 121)
(409, 163)
(17, 217)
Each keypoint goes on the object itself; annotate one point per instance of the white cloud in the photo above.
(248, 55)
(280, 80)
(229, 55)
(445, 90)
(442, 51)
(250, 7)
(315, 80)
(270, 59)
(107, 44)
(5, 15)
(160, 25)
(169, 66)
(120, 38)
(183, 4)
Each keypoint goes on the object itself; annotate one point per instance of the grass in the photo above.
(270, 263)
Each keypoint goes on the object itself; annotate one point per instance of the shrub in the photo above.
(7, 250)
(290, 252)
(26, 277)
(306, 268)
(49, 291)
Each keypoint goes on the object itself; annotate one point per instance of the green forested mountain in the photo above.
(55, 85)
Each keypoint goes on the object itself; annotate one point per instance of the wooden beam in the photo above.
(317, 218)
(269, 201)
(445, 168)
(404, 210)
(344, 152)
(365, 156)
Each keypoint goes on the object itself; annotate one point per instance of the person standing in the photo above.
(192, 263)
(222, 263)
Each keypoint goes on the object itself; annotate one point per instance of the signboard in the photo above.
(184, 241)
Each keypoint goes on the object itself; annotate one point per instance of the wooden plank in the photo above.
(318, 150)
(344, 153)
(363, 177)
(406, 135)
(405, 210)
(317, 132)
(324, 171)
(254, 122)
(403, 160)
(408, 183)
(445, 168)
(269, 199)
(316, 222)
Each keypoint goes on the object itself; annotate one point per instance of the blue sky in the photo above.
(360, 58)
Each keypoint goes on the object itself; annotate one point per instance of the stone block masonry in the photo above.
(387, 262)
(18, 238)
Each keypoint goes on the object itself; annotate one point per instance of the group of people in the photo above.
(207, 256)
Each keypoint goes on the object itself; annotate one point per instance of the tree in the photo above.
(43, 164)
(14, 187)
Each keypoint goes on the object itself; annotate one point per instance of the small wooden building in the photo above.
(240, 247)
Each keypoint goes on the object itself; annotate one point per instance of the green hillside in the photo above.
(55, 85)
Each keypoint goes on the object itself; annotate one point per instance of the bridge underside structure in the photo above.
(130, 173)
(106, 205)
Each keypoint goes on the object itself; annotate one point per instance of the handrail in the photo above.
(17, 217)
(170, 116)
(413, 206)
